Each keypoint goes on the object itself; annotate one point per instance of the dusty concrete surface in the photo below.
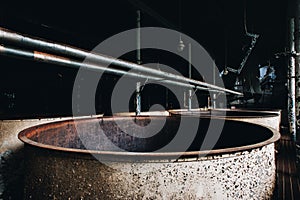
(246, 175)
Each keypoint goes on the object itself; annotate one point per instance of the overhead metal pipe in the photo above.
(63, 61)
(80, 53)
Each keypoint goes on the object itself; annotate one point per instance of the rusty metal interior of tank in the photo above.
(86, 159)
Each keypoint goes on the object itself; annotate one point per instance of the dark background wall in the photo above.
(29, 88)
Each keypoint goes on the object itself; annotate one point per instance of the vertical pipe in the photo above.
(292, 81)
(190, 76)
(190, 60)
(138, 38)
(297, 61)
(185, 97)
(167, 99)
(138, 98)
(214, 98)
(138, 58)
(208, 102)
(190, 99)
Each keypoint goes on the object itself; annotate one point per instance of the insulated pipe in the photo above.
(80, 53)
(59, 60)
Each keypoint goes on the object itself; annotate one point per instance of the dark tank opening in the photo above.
(105, 134)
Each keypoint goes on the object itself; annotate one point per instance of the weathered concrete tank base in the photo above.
(64, 163)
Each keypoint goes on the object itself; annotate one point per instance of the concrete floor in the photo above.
(288, 184)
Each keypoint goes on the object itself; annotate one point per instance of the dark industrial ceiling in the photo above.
(218, 25)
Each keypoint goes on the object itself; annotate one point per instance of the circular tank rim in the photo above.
(258, 110)
(143, 114)
(267, 113)
(154, 155)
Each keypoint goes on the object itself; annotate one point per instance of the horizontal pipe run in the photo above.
(80, 53)
(59, 60)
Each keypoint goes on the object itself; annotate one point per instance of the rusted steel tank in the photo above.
(64, 163)
(270, 118)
